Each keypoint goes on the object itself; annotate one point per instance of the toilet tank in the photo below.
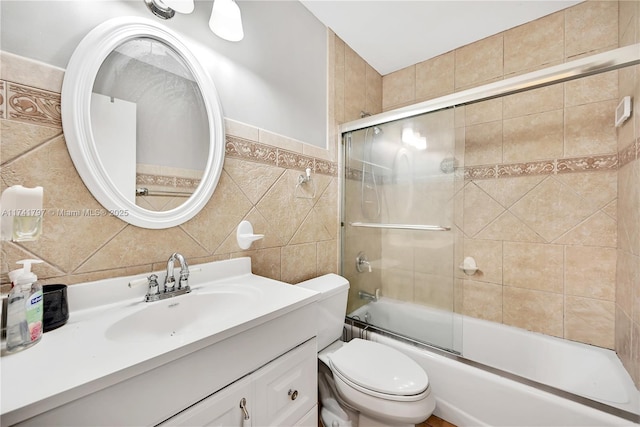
(332, 306)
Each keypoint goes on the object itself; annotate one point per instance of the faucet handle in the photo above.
(154, 287)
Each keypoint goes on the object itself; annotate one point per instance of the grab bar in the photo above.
(142, 191)
(401, 226)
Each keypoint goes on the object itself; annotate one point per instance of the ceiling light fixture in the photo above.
(225, 21)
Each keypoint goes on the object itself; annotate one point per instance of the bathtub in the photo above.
(506, 376)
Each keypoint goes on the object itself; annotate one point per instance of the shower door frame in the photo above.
(591, 65)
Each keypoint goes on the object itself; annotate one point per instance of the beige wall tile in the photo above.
(479, 62)
(18, 138)
(298, 263)
(551, 209)
(533, 266)
(125, 248)
(635, 354)
(627, 22)
(534, 44)
(254, 179)
(327, 253)
(398, 88)
(479, 209)
(533, 137)
(355, 81)
(398, 284)
(435, 77)
(488, 256)
(533, 310)
(597, 189)
(483, 112)
(264, 262)
(590, 321)
(241, 130)
(628, 208)
(591, 26)
(534, 101)
(590, 272)
(599, 229)
(507, 191)
(627, 276)
(483, 144)
(623, 344)
(434, 291)
(312, 229)
(373, 91)
(282, 209)
(482, 300)
(29, 72)
(339, 80)
(508, 227)
(434, 255)
(397, 249)
(601, 87)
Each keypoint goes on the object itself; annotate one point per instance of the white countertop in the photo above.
(77, 358)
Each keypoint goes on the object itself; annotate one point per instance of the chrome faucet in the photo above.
(368, 296)
(170, 280)
(362, 263)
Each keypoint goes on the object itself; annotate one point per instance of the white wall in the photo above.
(274, 79)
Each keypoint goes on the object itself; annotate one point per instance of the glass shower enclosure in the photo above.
(401, 184)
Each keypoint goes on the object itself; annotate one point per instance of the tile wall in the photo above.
(356, 88)
(550, 203)
(258, 183)
(627, 310)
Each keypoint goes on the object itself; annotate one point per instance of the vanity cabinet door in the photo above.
(286, 389)
(222, 409)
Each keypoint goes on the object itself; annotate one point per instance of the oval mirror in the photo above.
(143, 123)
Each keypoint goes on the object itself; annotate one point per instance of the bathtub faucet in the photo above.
(369, 297)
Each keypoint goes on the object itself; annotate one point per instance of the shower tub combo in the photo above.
(403, 217)
(516, 378)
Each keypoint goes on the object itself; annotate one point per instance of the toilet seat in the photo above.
(379, 371)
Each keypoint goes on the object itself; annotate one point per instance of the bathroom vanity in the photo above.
(239, 350)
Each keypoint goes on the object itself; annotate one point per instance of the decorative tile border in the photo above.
(250, 150)
(480, 172)
(291, 160)
(167, 181)
(603, 162)
(584, 164)
(245, 149)
(31, 105)
(525, 169)
(629, 153)
(3, 96)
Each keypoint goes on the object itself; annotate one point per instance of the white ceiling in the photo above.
(393, 34)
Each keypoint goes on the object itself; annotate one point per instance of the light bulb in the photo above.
(226, 21)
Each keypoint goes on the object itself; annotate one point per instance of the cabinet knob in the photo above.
(293, 394)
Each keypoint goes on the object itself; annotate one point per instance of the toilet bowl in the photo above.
(386, 387)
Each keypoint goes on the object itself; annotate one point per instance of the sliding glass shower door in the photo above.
(400, 198)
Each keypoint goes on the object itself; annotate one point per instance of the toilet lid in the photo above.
(379, 368)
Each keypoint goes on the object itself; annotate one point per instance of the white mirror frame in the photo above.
(77, 87)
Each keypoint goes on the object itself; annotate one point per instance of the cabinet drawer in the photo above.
(287, 387)
(221, 409)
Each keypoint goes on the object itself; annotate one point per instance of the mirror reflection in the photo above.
(149, 124)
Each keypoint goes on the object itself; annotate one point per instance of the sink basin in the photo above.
(177, 317)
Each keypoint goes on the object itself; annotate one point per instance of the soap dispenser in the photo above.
(25, 308)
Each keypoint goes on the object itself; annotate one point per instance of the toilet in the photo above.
(385, 387)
